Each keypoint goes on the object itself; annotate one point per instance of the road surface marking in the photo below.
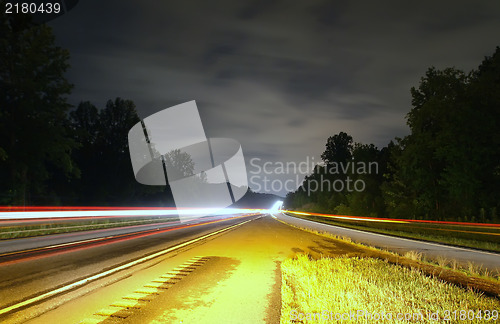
(398, 238)
(111, 271)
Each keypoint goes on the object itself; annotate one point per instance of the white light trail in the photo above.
(125, 212)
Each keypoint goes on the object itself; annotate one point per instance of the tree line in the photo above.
(50, 152)
(447, 168)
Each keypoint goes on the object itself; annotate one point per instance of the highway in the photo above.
(48, 242)
(240, 268)
(59, 260)
(223, 271)
(488, 260)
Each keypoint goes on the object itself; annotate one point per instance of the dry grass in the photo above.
(474, 269)
(413, 255)
(470, 269)
(442, 261)
(315, 288)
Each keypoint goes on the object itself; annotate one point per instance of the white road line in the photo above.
(399, 238)
(111, 271)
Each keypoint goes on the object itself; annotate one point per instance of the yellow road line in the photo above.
(111, 271)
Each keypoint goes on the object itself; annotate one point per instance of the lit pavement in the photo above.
(237, 281)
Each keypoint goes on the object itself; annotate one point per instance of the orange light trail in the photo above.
(391, 220)
(369, 219)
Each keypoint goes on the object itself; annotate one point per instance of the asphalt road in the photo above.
(9, 246)
(239, 281)
(27, 274)
(488, 260)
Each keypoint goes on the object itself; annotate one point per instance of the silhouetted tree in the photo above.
(103, 156)
(34, 139)
(448, 165)
(447, 168)
(338, 148)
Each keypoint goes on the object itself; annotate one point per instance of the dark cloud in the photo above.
(329, 13)
(251, 10)
(279, 76)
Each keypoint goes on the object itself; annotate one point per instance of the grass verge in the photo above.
(470, 276)
(58, 227)
(364, 290)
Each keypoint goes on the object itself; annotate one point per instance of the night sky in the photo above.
(278, 76)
